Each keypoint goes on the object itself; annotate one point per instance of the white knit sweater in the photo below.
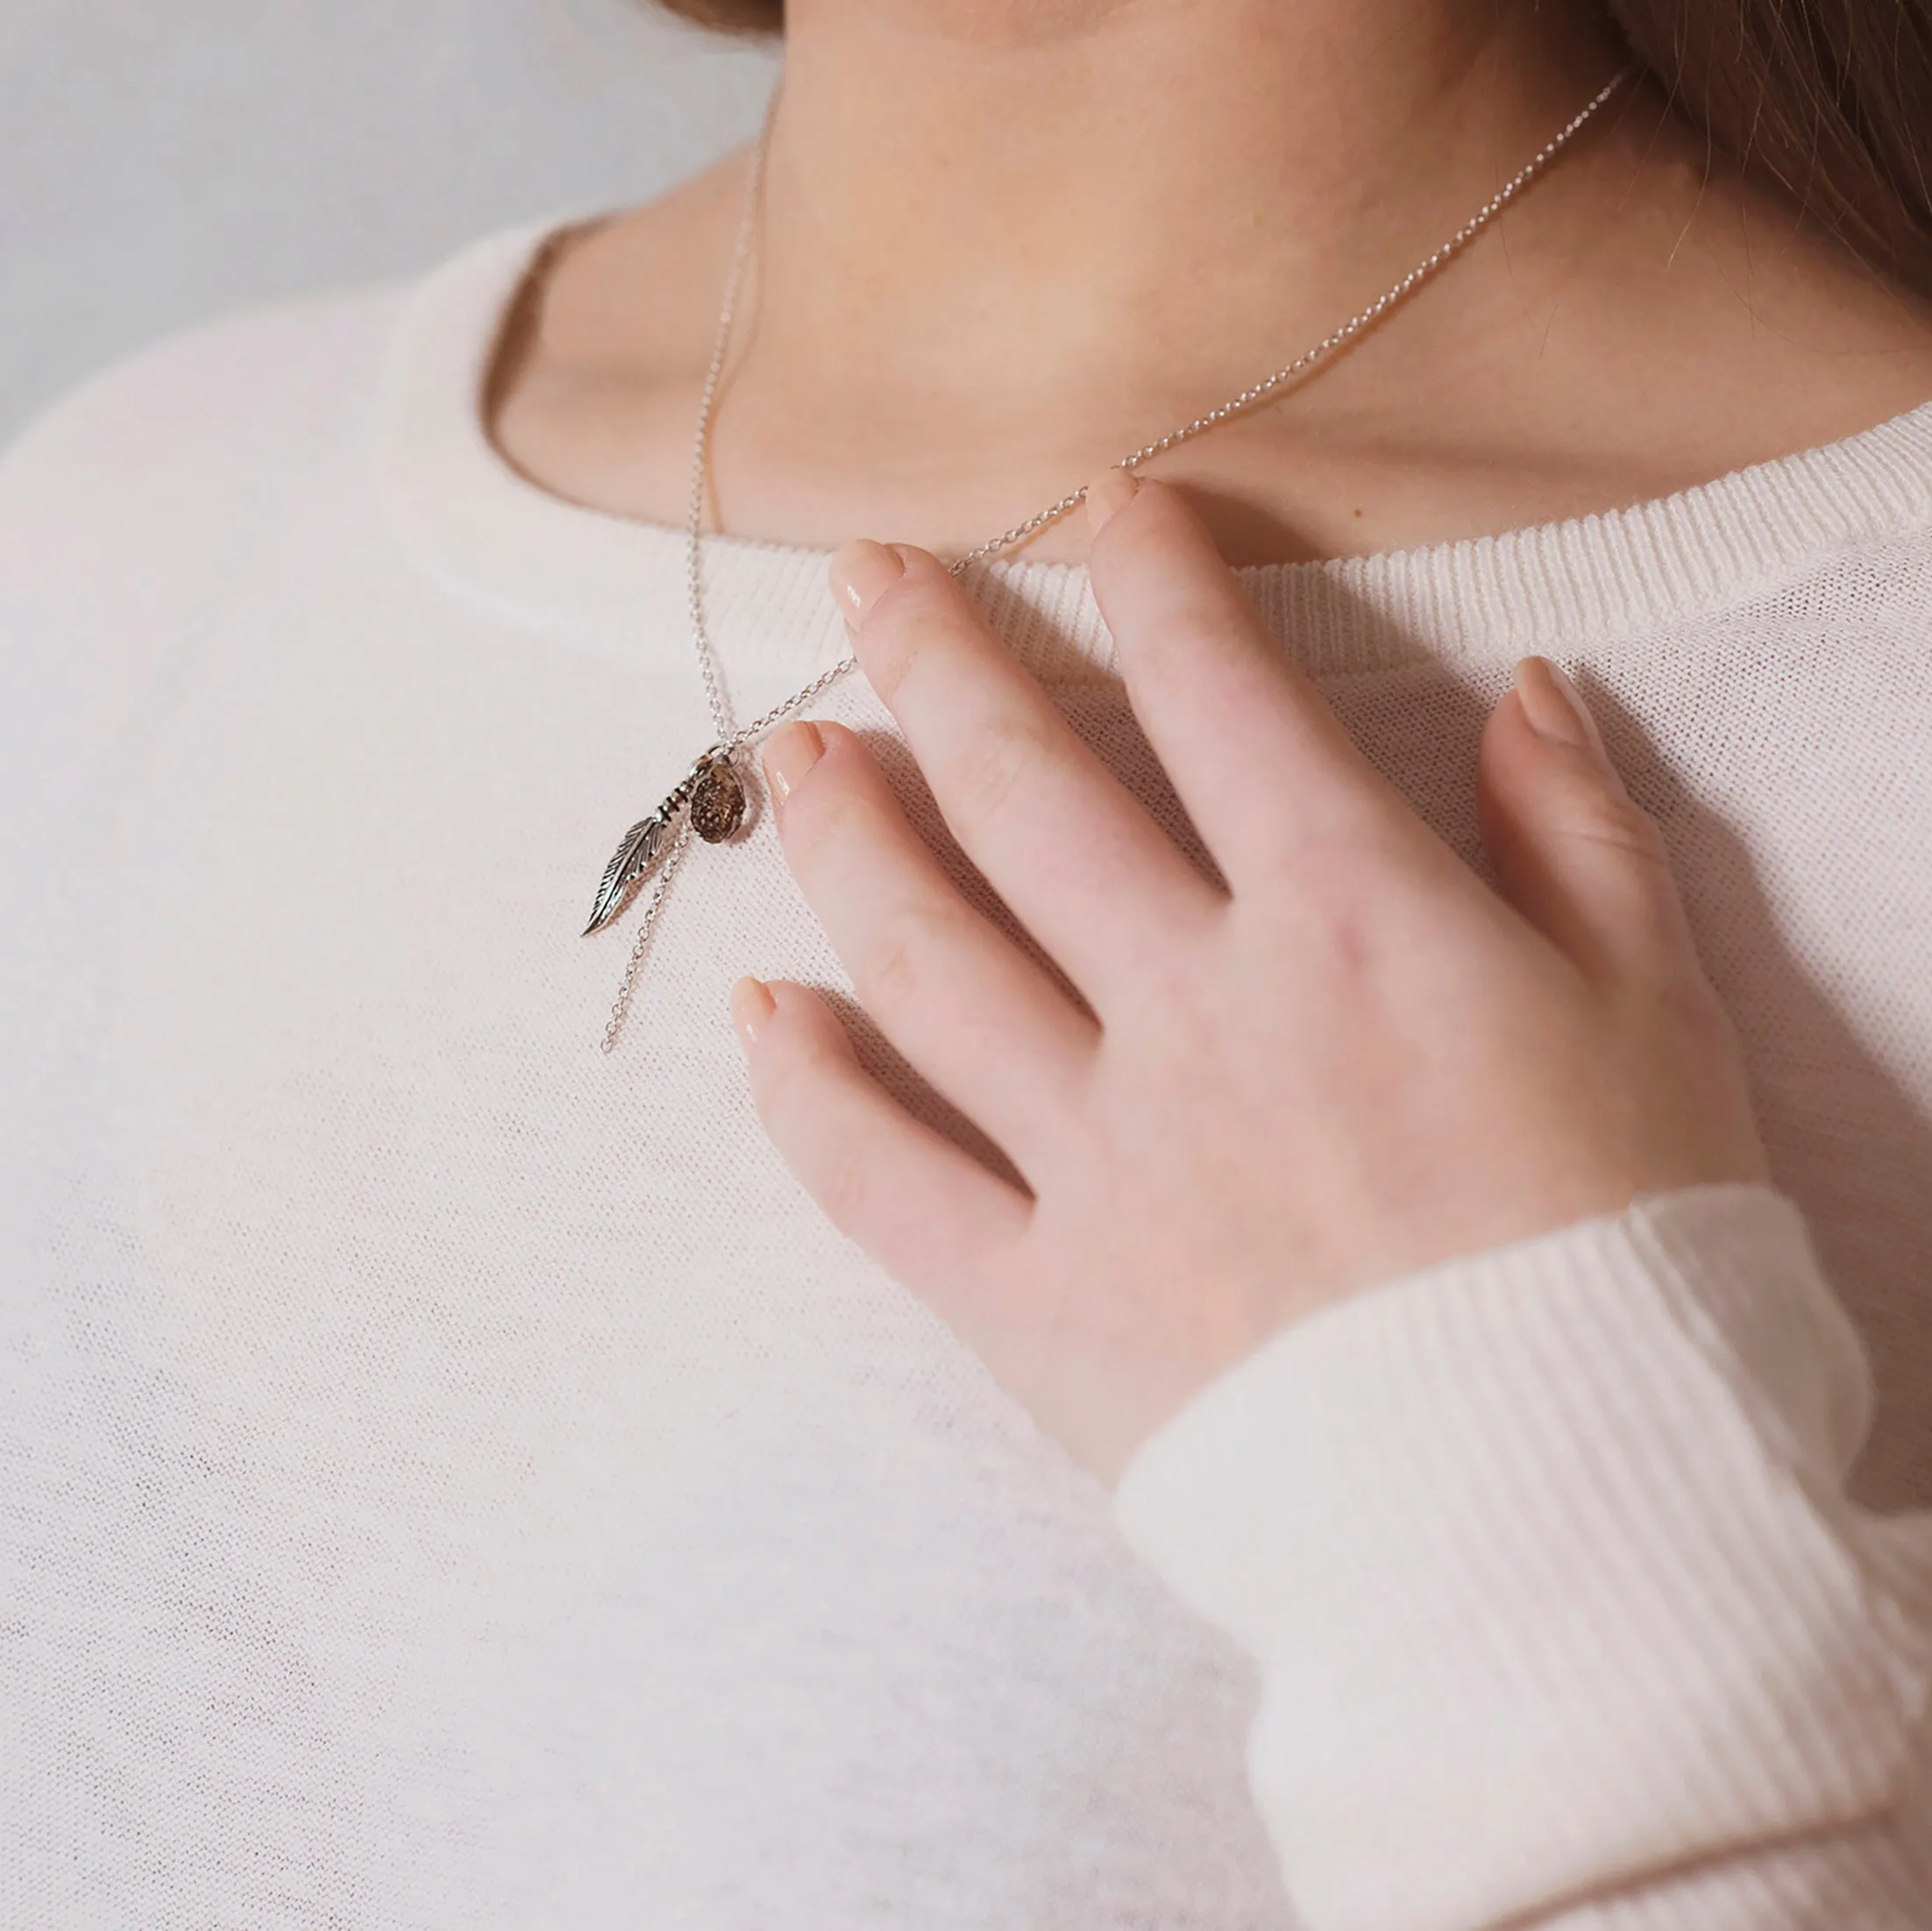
(451, 1478)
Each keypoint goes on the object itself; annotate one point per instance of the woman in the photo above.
(456, 1477)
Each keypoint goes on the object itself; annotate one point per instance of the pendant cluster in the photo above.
(710, 800)
(713, 794)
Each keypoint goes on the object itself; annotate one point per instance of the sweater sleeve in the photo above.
(1560, 1604)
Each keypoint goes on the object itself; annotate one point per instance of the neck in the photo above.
(1005, 242)
(1062, 198)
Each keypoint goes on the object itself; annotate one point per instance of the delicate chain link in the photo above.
(758, 726)
(733, 741)
(729, 740)
(621, 1006)
(700, 448)
(1247, 400)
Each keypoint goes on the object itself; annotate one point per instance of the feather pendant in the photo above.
(635, 856)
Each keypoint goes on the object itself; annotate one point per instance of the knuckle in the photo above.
(1683, 1005)
(1199, 624)
(1695, 1011)
(1336, 861)
(1676, 1026)
(1348, 946)
(1622, 825)
(900, 963)
(991, 766)
(841, 1182)
(1343, 961)
(1327, 935)
(1650, 912)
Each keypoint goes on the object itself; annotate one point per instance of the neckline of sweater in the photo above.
(1593, 582)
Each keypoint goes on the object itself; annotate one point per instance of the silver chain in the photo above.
(621, 1006)
(729, 740)
(1235, 405)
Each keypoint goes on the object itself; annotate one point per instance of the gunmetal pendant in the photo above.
(711, 790)
(717, 801)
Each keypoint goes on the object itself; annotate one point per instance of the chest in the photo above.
(602, 1522)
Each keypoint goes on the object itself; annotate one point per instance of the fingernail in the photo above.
(1555, 706)
(860, 574)
(1108, 493)
(790, 752)
(751, 1005)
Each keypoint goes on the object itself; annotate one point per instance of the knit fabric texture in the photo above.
(452, 1479)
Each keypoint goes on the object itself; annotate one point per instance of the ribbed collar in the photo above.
(1594, 583)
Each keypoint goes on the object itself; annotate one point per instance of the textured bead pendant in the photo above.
(717, 801)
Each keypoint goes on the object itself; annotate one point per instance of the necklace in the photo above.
(710, 799)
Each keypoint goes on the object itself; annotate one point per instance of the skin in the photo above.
(1352, 1061)
(1005, 241)
(1005, 244)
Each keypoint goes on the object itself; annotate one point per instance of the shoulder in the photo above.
(135, 507)
(125, 506)
(127, 509)
(221, 405)
(212, 402)
(159, 471)
(119, 514)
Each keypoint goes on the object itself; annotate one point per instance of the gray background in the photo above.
(164, 161)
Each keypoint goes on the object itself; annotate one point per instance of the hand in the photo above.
(1354, 1062)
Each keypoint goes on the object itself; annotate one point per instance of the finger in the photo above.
(971, 1012)
(1260, 762)
(929, 1214)
(1083, 867)
(1572, 850)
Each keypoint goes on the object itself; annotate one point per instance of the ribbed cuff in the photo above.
(1545, 1555)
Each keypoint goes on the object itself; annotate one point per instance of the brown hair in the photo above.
(1830, 98)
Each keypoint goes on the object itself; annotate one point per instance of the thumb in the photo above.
(1573, 852)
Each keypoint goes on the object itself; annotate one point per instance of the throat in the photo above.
(1003, 245)
(1045, 208)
